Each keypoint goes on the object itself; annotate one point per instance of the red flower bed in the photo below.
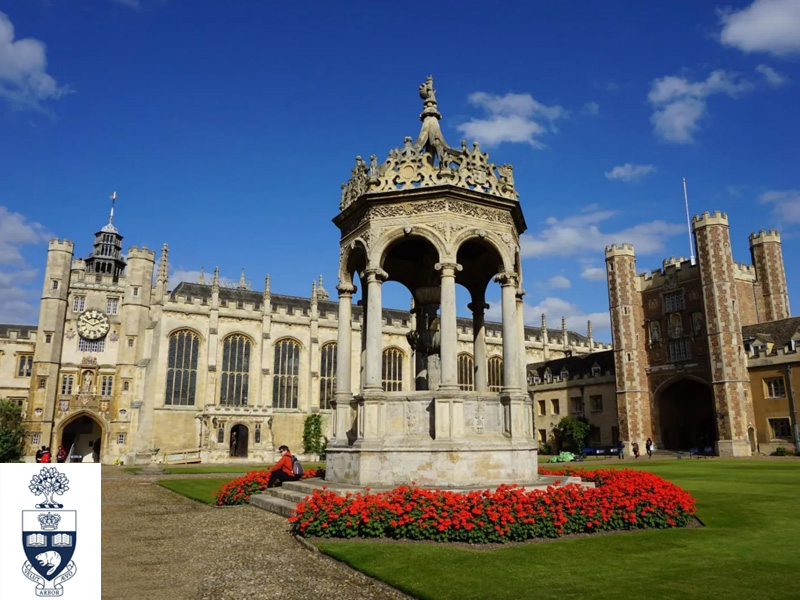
(623, 499)
(239, 490)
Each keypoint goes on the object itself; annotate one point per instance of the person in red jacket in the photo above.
(46, 455)
(282, 471)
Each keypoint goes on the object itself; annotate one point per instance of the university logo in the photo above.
(49, 535)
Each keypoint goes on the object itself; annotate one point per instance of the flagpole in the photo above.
(688, 222)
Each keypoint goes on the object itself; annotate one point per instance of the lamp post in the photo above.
(792, 408)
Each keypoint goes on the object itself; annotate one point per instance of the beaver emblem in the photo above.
(49, 559)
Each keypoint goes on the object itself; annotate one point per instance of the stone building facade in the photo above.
(121, 357)
(773, 360)
(686, 374)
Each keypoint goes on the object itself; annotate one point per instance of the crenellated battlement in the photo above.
(623, 249)
(78, 264)
(706, 219)
(763, 237)
(680, 269)
(64, 245)
(743, 271)
(143, 253)
(671, 264)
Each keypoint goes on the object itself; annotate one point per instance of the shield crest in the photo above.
(48, 537)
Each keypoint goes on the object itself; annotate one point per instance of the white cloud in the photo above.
(785, 204)
(679, 104)
(591, 108)
(594, 273)
(581, 234)
(771, 76)
(19, 302)
(189, 276)
(558, 282)
(511, 118)
(629, 172)
(24, 81)
(17, 231)
(771, 26)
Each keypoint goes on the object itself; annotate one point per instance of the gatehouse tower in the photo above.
(431, 217)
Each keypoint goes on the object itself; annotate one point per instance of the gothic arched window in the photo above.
(327, 374)
(466, 372)
(286, 374)
(235, 378)
(182, 368)
(392, 370)
(495, 374)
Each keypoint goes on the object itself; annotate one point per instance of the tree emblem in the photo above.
(48, 483)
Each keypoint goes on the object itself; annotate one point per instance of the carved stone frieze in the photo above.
(411, 209)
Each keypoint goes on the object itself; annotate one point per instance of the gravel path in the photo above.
(157, 544)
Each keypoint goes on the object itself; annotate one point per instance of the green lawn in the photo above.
(200, 489)
(229, 468)
(748, 549)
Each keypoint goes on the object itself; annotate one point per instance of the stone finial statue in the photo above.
(242, 283)
(427, 93)
(202, 279)
(215, 281)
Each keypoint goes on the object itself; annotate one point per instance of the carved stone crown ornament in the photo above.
(429, 162)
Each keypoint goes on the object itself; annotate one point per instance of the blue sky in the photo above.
(227, 128)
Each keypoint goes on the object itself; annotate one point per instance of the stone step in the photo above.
(286, 494)
(273, 504)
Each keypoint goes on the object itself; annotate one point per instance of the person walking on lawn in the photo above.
(283, 469)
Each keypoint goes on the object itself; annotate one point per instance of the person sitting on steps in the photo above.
(282, 471)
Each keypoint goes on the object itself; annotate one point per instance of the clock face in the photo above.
(92, 325)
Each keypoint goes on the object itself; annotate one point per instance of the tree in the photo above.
(313, 440)
(12, 432)
(571, 433)
(48, 483)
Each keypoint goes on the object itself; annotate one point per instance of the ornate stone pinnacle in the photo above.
(429, 162)
(202, 278)
(242, 283)
(163, 264)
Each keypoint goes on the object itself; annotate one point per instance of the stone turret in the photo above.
(47, 354)
(729, 378)
(765, 248)
(590, 335)
(634, 407)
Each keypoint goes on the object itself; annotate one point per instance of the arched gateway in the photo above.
(431, 217)
(82, 438)
(686, 416)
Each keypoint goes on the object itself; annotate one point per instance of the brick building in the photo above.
(701, 350)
